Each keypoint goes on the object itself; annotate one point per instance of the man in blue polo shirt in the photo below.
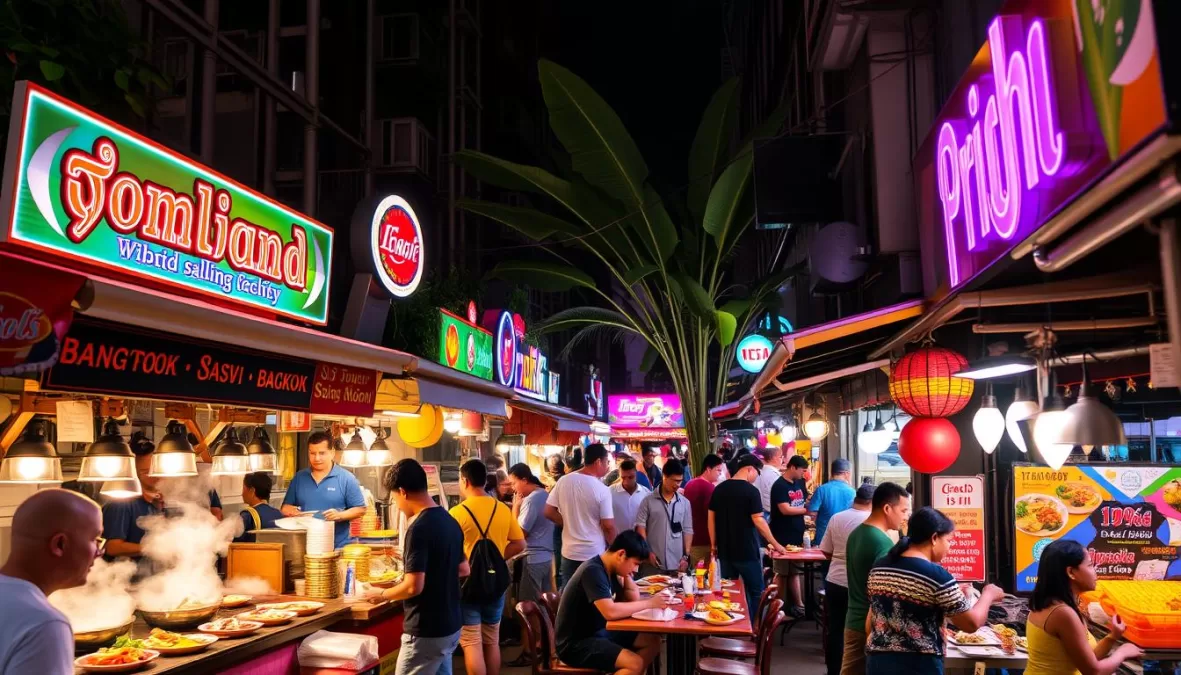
(326, 488)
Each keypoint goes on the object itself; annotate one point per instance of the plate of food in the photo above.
(792, 548)
(653, 589)
(122, 659)
(230, 627)
(235, 600)
(1079, 498)
(724, 606)
(662, 579)
(728, 583)
(268, 617)
(977, 639)
(653, 614)
(177, 644)
(300, 607)
(385, 578)
(1021, 643)
(717, 617)
(1040, 515)
(1001, 630)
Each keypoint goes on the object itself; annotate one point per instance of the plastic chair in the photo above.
(712, 665)
(740, 648)
(546, 663)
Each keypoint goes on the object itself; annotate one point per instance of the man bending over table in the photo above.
(602, 590)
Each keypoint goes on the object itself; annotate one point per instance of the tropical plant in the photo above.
(668, 276)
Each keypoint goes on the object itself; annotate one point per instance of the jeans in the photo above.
(558, 559)
(487, 614)
(426, 656)
(567, 570)
(836, 604)
(751, 573)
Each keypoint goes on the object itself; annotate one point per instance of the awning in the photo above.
(849, 340)
(446, 388)
(565, 419)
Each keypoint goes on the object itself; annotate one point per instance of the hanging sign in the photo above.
(35, 312)
(752, 353)
(464, 346)
(1056, 97)
(103, 358)
(520, 365)
(291, 421)
(961, 498)
(395, 245)
(1128, 517)
(645, 411)
(85, 189)
(344, 391)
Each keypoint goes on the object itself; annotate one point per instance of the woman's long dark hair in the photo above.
(1053, 583)
(924, 524)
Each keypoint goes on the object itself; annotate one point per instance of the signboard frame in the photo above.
(968, 512)
(480, 340)
(675, 417)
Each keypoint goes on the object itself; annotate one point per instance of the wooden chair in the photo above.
(768, 576)
(546, 662)
(740, 648)
(550, 602)
(712, 665)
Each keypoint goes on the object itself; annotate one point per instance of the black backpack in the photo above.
(489, 577)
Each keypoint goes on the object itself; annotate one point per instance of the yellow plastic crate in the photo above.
(1145, 608)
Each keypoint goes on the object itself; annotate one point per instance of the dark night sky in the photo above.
(656, 62)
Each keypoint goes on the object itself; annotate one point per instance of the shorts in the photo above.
(426, 656)
(598, 652)
(481, 623)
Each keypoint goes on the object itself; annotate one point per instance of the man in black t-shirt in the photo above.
(789, 499)
(735, 513)
(430, 599)
(602, 590)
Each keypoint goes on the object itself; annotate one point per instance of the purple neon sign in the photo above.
(1019, 138)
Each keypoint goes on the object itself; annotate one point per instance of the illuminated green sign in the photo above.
(80, 187)
(464, 347)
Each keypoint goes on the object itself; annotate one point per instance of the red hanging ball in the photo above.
(929, 444)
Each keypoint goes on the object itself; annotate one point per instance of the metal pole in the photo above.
(311, 85)
(1152, 440)
(1170, 265)
(370, 85)
(269, 120)
(452, 84)
(209, 86)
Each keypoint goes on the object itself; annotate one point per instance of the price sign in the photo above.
(961, 498)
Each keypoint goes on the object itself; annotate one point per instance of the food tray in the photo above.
(1143, 607)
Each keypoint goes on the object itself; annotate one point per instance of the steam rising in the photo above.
(184, 552)
(103, 602)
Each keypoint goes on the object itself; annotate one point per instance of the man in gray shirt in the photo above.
(665, 519)
(529, 509)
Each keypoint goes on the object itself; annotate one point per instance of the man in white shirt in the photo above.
(772, 470)
(626, 496)
(55, 539)
(581, 505)
(836, 584)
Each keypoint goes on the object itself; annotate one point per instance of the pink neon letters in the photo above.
(986, 165)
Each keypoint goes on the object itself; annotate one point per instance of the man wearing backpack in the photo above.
(491, 535)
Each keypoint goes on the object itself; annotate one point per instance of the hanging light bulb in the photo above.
(816, 428)
(452, 423)
(865, 431)
(1022, 408)
(354, 453)
(1047, 432)
(174, 456)
(109, 458)
(124, 488)
(32, 459)
(878, 439)
(231, 457)
(988, 424)
(379, 453)
(788, 432)
(262, 453)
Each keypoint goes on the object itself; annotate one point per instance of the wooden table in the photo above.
(956, 658)
(683, 633)
(807, 559)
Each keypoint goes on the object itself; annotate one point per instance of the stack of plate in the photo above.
(320, 576)
(321, 537)
(359, 555)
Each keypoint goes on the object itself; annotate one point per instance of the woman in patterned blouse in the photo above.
(911, 596)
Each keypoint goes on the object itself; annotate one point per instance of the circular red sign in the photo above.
(397, 246)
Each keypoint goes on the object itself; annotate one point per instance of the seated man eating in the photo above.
(602, 590)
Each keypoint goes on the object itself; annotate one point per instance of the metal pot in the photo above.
(180, 618)
(95, 639)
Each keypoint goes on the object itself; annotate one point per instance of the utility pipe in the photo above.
(370, 85)
(1108, 355)
(270, 133)
(1145, 203)
(1170, 263)
(209, 85)
(311, 88)
(1057, 326)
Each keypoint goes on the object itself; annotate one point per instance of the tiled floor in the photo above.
(801, 654)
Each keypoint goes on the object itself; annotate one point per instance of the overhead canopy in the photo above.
(564, 418)
(449, 389)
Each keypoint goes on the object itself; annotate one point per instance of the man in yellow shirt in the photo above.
(482, 516)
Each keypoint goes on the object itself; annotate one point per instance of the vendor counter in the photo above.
(274, 650)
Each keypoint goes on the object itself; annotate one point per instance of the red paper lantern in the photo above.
(929, 444)
(923, 382)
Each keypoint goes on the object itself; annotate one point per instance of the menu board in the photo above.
(961, 498)
(1128, 517)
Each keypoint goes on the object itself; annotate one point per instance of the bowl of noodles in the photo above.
(1040, 515)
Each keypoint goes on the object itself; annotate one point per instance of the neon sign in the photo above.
(519, 365)
(506, 350)
(753, 352)
(88, 190)
(1045, 109)
(396, 245)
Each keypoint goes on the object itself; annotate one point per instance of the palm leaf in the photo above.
(709, 145)
(649, 360)
(723, 211)
(542, 276)
(727, 327)
(512, 176)
(594, 333)
(578, 316)
(530, 222)
(655, 227)
(632, 276)
(695, 297)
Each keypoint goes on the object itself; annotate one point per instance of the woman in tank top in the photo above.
(1058, 640)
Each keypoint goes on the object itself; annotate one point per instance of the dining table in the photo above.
(807, 559)
(684, 630)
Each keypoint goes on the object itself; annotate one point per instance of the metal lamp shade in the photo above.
(122, 489)
(262, 453)
(231, 457)
(174, 455)
(32, 459)
(1089, 422)
(354, 453)
(109, 458)
(379, 453)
